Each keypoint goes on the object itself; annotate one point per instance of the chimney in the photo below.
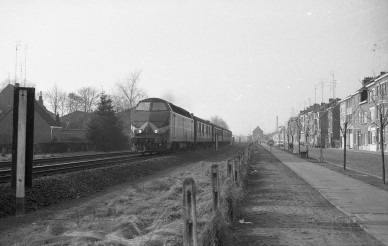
(331, 99)
(16, 84)
(40, 101)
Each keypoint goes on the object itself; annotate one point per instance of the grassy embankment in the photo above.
(149, 213)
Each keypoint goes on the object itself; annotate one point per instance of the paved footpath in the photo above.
(306, 218)
(364, 203)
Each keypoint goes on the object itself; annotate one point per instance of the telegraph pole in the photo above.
(315, 87)
(322, 88)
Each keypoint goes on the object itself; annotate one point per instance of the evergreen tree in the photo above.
(105, 130)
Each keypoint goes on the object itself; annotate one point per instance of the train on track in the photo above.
(160, 126)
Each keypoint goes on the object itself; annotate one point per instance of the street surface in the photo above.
(362, 161)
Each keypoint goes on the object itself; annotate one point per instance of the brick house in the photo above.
(363, 110)
(334, 131)
(46, 128)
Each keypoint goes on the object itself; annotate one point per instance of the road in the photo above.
(361, 161)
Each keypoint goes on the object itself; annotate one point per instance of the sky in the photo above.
(246, 61)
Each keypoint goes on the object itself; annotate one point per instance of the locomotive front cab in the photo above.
(150, 125)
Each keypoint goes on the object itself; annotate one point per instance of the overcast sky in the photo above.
(246, 61)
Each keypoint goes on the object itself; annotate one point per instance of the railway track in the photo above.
(46, 167)
(41, 161)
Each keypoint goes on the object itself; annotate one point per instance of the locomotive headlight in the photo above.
(156, 131)
(139, 131)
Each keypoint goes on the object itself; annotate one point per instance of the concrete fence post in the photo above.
(215, 187)
(189, 213)
(230, 168)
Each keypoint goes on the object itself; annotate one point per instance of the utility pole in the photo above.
(315, 87)
(322, 88)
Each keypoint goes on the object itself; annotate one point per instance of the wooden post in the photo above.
(189, 213)
(230, 168)
(236, 168)
(22, 143)
(215, 187)
(3, 152)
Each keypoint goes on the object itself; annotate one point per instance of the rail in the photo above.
(75, 164)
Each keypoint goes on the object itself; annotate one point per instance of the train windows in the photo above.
(159, 106)
(144, 106)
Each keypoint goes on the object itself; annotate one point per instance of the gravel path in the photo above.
(282, 209)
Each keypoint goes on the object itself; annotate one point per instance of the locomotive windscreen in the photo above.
(151, 106)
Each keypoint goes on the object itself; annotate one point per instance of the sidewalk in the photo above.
(285, 209)
(363, 203)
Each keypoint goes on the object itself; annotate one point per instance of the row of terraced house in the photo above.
(354, 122)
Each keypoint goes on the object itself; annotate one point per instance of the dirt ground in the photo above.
(14, 231)
(282, 209)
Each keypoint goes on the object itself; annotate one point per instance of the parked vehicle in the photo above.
(279, 144)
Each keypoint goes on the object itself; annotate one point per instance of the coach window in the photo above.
(173, 125)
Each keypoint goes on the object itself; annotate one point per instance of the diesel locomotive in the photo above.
(161, 126)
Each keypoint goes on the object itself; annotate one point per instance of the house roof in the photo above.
(39, 109)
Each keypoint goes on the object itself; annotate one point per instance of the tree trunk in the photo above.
(299, 144)
(344, 149)
(382, 145)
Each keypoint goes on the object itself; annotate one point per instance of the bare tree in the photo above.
(297, 125)
(129, 92)
(347, 119)
(89, 98)
(62, 103)
(290, 133)
(55, 98)
(73, 102)
(219, 121)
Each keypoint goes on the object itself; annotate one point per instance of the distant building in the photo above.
(46, 128)
(257, 134)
